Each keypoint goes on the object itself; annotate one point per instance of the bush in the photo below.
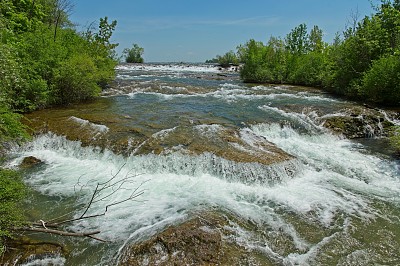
(381, 83)
(11, 127)
(12, 191)
(134, 54)
(76, 80)
(308, 69)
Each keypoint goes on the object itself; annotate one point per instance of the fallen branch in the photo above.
(61, 233)
(102, 192)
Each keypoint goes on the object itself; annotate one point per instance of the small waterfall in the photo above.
(207, 163)
(175, 162)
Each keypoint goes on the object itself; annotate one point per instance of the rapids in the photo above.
(340, 204)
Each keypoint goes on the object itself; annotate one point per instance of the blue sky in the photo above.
(194, 31)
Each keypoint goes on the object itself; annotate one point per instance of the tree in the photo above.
(229, 58)
(134, 54)
(315, 39)
(297, 40)
(58, 12)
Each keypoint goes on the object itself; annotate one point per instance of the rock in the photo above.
(241, 146)
(198, 241)
(25, 250)
(359, 122)
(30, 161)
(234, 154)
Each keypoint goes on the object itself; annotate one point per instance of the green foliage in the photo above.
(212, 61)
(105, 32)
(12, 191)
(364, 65)
(253, 56)
(265, 63)
(308, 69)
(381, 83)
(228, 59)
(76, 80)
(297, 41)
(37, 66)
(134, 54)
(11, 127)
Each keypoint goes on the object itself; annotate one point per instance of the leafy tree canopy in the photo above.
(134, 54)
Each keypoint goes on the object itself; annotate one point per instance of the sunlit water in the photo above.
(341, 208)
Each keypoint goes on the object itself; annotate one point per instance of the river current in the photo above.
(340, 207)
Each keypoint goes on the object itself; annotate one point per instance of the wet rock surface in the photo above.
(24, 251)
(241, 146)
(29, 162)
(360, 122)
(201, 240)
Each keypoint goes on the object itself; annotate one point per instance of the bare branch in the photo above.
(61, 233)
(102, 192)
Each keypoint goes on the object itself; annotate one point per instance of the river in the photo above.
(339, 206)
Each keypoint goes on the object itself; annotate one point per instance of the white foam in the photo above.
(175, 68)
(309, 120)
(55, 261)
(87, 123)
(342, 160)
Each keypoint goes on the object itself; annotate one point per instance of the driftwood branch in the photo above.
(102, 192)
(61, 232)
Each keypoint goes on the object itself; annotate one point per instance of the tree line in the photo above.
(362, 63)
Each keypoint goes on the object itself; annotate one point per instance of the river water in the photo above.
(340, 207)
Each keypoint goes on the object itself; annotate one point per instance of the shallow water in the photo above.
(342, 206)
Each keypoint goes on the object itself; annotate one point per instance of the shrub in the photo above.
(11, 127)
(381, 83)
(134, 54)
(12, 191)
(76, 80)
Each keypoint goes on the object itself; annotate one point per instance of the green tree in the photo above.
(316, 43)
(253, 59)
(134, 54)
(297, 41)
(229, 58)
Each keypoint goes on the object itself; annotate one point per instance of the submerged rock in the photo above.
(202, 240)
